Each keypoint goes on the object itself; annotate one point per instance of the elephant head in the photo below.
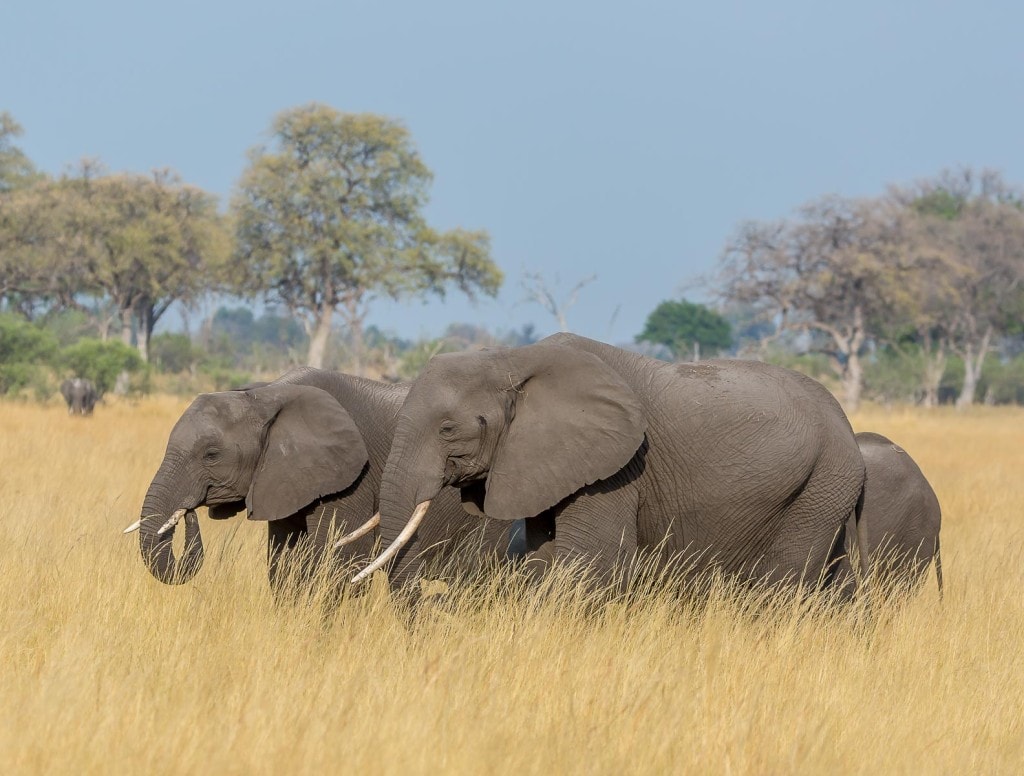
(517, 430)
(273, 449)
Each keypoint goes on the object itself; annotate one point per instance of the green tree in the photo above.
(684, 327)
(329, 216)
(101, 362)
(26, 352)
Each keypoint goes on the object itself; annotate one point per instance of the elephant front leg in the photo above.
(283, 544)
(595, 533)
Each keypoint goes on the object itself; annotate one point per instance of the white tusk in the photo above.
(175, 517)
(133, 527)
(360, 532)
(397, 544)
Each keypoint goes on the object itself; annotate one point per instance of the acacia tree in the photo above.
(329, 217)
(969, 240)
(129, 244)
(833, 272)
(16, 169)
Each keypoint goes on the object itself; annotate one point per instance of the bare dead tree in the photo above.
(538, 291)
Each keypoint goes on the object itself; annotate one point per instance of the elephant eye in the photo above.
(447, 429)
(211, 455)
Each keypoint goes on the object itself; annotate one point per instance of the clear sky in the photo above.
(622, 139)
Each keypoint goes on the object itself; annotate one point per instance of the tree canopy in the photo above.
(330, 216)
(16, 169)
(684, 328)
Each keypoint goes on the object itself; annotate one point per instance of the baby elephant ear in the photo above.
(313, 448)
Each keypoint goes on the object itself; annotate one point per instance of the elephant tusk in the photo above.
(397, 544)
(133, 527)
(175, 517)
(360, 532)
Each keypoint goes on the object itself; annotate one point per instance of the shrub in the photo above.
(26, 352)
(103, 362)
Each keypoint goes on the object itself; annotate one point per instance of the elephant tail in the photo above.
(938, 566)
(862, 539)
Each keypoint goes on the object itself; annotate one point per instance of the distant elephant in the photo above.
(304, 453)
(740, 465)
(80, 395)
(901, 513)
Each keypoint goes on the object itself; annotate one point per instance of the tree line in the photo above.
(921, 274)
(893, 293)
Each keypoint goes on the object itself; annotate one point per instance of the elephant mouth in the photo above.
(225, 510)
(462, 473)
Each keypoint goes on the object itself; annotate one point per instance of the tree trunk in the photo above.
(934, 369)
(853, 382)
(320, 335)
(126, 325)
(145, 333)
(973, 362)
(354, 322)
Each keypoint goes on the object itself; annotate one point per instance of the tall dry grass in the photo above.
(104, 670)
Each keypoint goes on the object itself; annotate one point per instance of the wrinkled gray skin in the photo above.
(80, 395)
(738, 464)
(901, 514)
(302, 453)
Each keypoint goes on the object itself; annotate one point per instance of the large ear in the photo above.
(313, 448)
(573, 421)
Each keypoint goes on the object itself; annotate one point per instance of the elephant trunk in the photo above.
(409, 482)
(156, 547)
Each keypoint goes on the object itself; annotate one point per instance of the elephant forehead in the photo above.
(465, 371)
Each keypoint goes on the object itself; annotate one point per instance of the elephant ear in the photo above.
(313, 448)
(574, 421)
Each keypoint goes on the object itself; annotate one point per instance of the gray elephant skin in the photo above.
(740, 465)
(80, 394)
(304, 454)
(900, 517)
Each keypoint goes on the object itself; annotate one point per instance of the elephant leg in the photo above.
(840, 575)
(539, 560)
(596, 532)
(807, 534)
(283, 537)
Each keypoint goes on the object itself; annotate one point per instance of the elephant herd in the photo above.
(601, 455)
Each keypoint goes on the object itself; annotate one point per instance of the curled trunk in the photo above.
(157, 550)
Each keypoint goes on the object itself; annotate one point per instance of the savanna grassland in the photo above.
(104, 670)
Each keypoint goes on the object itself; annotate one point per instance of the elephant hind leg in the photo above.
(812, 538)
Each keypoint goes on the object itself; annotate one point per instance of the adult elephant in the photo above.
(901, 516)
(304, 454)
(745, 466)
(80, 395)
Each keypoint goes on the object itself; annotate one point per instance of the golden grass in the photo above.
(104, 670)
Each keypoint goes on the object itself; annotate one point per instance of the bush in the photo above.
(173, 353)
(890, 376)
(26, 352)
(102, 362)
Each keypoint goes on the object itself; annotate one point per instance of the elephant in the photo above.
(304, 454)
(900, 515)
(742, 466)
(80, 395)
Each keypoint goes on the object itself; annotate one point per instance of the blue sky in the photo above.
(624, 140)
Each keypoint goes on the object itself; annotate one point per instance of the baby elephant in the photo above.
(80, 394)
(901, 514)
